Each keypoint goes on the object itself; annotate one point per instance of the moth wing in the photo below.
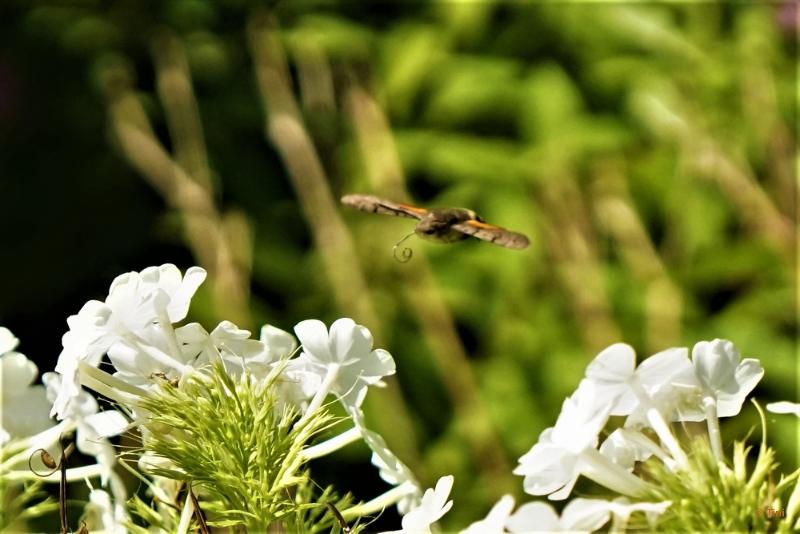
(386, 207)
(492, 234)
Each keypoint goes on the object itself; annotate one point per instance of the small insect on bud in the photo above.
(47, 459)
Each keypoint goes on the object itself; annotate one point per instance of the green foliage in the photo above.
(233, 444)
(712, 496)
(648, 151)
(23, 502)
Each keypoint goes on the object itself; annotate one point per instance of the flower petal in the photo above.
(342, 340)
(107, 423)
(534, 516)
(784, 407)
(378, 364)
(585, 514)
(8, 341)
(313, 335)
(495, 520)
(182, 295)
(280, 344)
(16, 373)
(614, 364)
(747, 376)
(714, 362)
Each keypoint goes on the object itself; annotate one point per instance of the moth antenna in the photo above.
(405, 255)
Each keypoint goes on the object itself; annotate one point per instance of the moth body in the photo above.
(437, 224)
(443, 225)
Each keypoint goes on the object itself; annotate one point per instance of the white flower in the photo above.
(568, 450)
(299, 382)
(552, 466)
(433, 506)
(139, 361)
(390, 468)
(495, 521)
(93, 427)
(622, 509)
(24, 406)
(612, 370)
(8, 341)
(139, 299)
(616, 378)
(234, 347)
(784, 407)
(661, 389)
(579, 515)
(625, 447)
(134, 325)
(279, 343)
(725, 380)
(229, 344)
(259, 356)
(103, 516)
(343, 359)
(87, 340)
(724, 376)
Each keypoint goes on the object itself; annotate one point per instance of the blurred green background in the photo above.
(648, 151)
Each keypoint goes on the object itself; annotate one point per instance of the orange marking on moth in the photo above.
(478, 224)
(420, 211)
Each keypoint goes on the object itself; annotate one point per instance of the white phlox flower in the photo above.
(24, 405)
(617, 378)
(661, 389)
(391, 469)
(343, 359)
(579, 515)
(724, 376)
(622, 509)
(278, 343)
(569, 449)
(232, 346)
(297, 383)
(8, 341)
(133, 325)
(87, 339)
(228, 344)
(101, 515)
(625, 447)
(93, 427)
(432, 507)
(139, 362)
(495, 520)
(140, 299)
(553, 465)
(725, 380)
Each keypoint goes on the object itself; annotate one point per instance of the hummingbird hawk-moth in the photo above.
(443, 225)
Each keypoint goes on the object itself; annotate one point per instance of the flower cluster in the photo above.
(233, 419)
(153, 358)
(665, 388)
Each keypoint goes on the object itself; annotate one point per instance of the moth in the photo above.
(443, 225)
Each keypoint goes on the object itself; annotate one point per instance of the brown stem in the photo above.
(285, 130)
